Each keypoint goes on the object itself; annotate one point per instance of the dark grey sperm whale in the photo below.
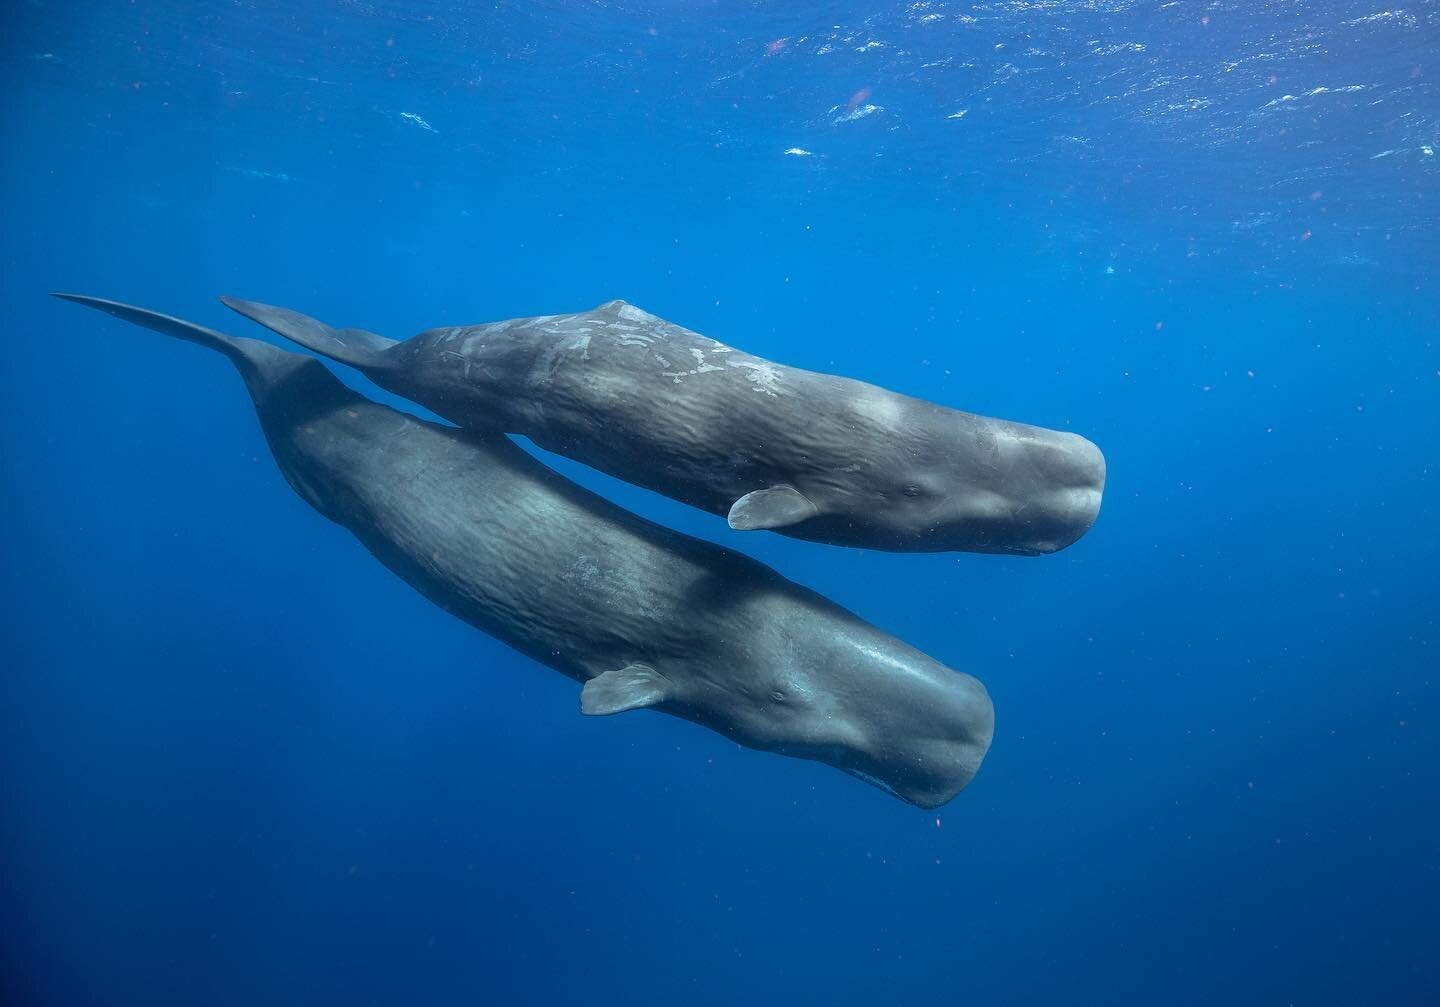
(642, 615)
(811, 455)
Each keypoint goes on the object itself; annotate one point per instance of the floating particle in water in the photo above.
(412, 117)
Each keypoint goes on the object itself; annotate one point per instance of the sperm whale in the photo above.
(810, 455)
(643, 616)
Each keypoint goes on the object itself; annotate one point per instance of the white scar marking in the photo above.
(765, 377)
(678, 376)
(701, 367)
(629, 335)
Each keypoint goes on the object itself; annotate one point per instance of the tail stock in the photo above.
(356, 347)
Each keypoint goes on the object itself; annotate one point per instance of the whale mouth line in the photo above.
(875, 781)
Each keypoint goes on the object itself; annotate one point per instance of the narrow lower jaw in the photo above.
(860, 774)
(879, 784)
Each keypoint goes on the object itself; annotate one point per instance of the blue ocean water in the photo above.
(241, 763)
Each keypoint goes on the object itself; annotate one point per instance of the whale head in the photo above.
(822, 685)
(999, 487)
(875, 708)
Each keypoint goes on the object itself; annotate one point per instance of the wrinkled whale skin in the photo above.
(810, 455)
(644, 616)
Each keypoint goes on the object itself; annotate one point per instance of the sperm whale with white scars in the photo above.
(643, 616)
(811, 455)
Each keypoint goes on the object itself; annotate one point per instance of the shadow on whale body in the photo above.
(814, 456)
(645, 617)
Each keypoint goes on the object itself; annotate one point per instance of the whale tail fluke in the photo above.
(356, 347)
(270, 373)
(231, 347)
(259, 363)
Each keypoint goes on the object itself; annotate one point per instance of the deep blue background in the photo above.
(241, 763)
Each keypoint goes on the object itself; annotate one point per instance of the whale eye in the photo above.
(911, 490)
(778, 696)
